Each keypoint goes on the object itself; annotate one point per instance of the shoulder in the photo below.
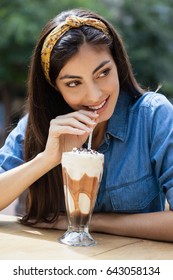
(23, 122)
(154, 111)
(17, 135)
(152, 101)
(11, 154)
(20, 127)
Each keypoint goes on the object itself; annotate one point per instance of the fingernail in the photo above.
(92, 122)
(89, 129)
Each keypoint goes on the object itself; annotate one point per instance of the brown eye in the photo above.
(104, 73)
(73, 84)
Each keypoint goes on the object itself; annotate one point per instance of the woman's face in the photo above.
(89, 81)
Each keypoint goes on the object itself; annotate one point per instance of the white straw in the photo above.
(90, 137)
(90, 140)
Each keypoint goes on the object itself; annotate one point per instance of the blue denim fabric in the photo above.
(11, 154)
(138, 149)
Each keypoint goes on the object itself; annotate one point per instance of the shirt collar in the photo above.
(117, 124)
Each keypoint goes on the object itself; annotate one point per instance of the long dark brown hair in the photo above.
(46, 198)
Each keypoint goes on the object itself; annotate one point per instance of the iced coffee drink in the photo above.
(82, 171)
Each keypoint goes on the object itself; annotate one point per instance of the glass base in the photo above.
(77, 238)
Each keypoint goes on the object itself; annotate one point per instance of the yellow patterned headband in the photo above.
(57, 32)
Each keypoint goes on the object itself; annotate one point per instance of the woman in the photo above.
(81, 80)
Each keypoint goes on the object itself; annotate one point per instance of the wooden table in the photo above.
(21, 242)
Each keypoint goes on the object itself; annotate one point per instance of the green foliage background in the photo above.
(146, 27)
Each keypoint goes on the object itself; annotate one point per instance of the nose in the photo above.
(93, 94)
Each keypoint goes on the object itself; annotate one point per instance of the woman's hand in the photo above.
(69, 131)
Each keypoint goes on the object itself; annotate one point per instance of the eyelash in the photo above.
(104, 73)
(76, 83)
(69, 84)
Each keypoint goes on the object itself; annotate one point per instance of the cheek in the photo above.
(72, 101)
(70, 98)
(114, 83)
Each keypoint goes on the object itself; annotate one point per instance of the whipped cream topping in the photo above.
(83, 161)
(85, 151)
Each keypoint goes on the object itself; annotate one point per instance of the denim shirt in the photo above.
(138, 150)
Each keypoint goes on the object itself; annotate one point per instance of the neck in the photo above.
(98, 134)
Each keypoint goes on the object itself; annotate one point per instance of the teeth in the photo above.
(97, 107)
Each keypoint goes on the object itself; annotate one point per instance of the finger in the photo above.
(57, 130)
(86, 117)
(91, 114)
(72, 122)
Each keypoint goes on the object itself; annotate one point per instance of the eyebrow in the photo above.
(79, 77)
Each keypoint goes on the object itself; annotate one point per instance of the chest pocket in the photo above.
(135, 196)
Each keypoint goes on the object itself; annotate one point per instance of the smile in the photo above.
(98, 106)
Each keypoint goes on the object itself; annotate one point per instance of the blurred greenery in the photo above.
(145, 26)
(147, 30)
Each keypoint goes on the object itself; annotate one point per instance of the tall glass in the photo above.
(82, 171)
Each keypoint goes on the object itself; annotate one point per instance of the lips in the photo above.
(98, 106)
